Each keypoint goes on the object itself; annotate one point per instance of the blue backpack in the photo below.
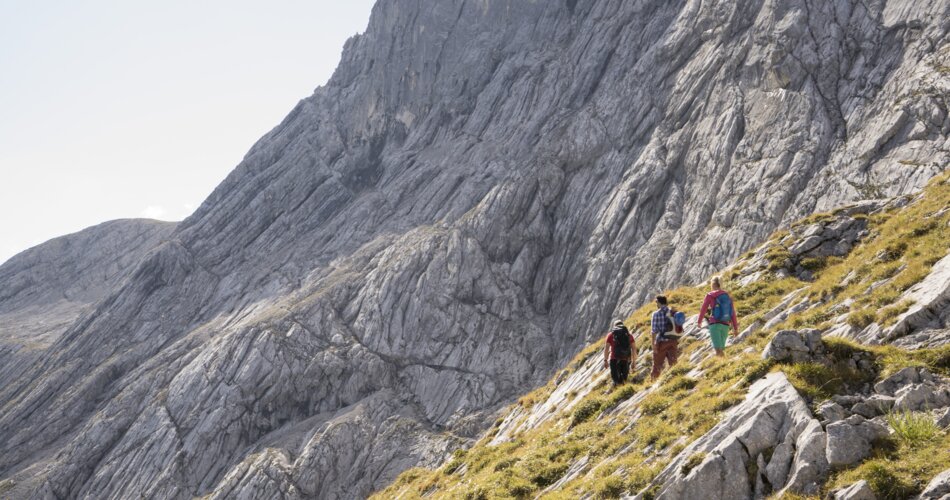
(722, 310)
(679, 319)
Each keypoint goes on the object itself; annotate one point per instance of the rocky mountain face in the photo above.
(47, 288)
(476, 191)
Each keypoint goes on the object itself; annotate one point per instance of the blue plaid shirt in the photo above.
(660, 324)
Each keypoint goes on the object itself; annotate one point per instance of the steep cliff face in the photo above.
(476, 190)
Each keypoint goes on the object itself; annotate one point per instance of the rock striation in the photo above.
(444, 223)
(774, 422)
(49, 287)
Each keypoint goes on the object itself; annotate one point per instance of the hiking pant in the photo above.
(718, 333)
(619, 370)
(666, 350)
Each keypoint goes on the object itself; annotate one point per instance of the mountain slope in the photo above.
(444, 223)
(747, 417)
(48, 287)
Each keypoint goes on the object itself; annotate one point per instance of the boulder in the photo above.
(918, 397)
(890, 385)
(831, 411)
(810, 467)
(882, 403)
(849, 440)
(860, 490)
(866, 410)
(938, 488)
(796, 346)
(943, 419)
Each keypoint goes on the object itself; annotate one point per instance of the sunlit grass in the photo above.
(624, 455)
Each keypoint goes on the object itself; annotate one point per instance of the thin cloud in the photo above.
(154, 212)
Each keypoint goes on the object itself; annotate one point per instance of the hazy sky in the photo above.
(117, 109)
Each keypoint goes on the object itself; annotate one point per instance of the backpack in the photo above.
(722, 310)
(676, 321)
(621, 346)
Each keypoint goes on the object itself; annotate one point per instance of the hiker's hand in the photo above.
(606, 364)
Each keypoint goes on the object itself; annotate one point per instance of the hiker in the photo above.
(619, 353)
(719, 311)
(665, 341)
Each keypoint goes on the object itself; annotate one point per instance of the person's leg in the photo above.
(615, 371)
(718, 334)
(657, 360)
(624, 371)
(673, 353)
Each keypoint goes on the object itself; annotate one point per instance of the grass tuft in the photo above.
(861, 319)
(586, 410)
(912, 428)
(692, 462)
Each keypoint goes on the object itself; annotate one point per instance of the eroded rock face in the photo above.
(925, 324)
(47, 288)
(773, 420)
(479, 188)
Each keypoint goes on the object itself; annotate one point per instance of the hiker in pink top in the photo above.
(720, 312)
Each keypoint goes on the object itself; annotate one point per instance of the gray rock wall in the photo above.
(476, 191)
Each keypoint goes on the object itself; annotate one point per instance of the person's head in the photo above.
(715, 283)
(618, 323)
(661, 301)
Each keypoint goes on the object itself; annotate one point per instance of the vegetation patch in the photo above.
(861, 319)
(692, 462)
(586, 410)
(623, 455)
(902, 472)
(913, 428)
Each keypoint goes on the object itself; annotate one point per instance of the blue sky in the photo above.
(118, 109)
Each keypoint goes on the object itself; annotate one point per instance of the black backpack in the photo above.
(621, 342)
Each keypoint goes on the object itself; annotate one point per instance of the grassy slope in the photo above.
(625, 445)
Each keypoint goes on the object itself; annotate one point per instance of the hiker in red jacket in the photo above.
(619, 353)
(720, 312)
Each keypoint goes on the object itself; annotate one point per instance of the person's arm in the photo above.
(735, 319)
(702, 311)
(607, 352)
(633, 352)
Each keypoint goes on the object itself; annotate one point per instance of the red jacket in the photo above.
(610, 342)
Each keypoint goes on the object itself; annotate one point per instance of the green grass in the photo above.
(818, 381)
(624, 455)
(692, 462)
(914, 429)
(861, 319)
(899, 473)
(586, 410)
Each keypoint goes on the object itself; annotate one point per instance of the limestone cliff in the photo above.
(479, 187)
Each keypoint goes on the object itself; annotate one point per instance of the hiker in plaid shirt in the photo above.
(664, 348)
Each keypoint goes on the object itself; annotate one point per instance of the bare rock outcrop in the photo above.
(772, 428)
(938, 488)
